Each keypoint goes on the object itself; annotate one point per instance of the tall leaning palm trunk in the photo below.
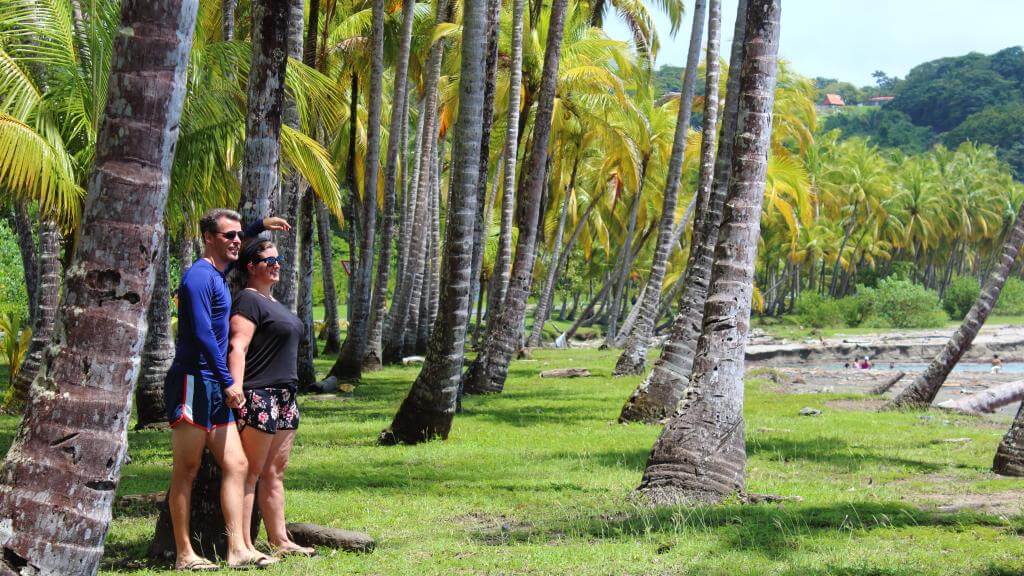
(407, 295)
(332, 339)
(427, 411)
(21, 223)
(262, 155)
(701, 454)
(44, 315)
(634, 356)
(350, 361)
(158, 351)
(286, 290)
(488, 372)
(374, 353)
(61, 472)
(500, 272)
(1009, 460)
(926, 385)
(304, 304)
(656, 398)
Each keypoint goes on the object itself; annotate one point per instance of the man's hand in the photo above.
(234, 396)
(275, 223)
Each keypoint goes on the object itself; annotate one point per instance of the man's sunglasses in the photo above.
(270, 260)
(231, 234)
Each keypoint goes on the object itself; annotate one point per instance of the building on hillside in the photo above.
(878, 101)
(830, 104)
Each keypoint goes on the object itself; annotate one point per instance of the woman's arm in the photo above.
(242, 330)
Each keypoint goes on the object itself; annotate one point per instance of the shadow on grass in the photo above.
(834, 452)
(769, 529)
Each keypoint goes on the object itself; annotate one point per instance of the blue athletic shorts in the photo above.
(188, 398)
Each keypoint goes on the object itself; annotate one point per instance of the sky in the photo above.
(850, 40)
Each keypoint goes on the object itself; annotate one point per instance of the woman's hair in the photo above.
(251, 251)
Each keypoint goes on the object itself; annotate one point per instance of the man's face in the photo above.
(226, 242)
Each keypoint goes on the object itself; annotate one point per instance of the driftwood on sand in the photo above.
(987, 400)
(885, 386)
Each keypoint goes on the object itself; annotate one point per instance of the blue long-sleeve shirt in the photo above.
(204, 308)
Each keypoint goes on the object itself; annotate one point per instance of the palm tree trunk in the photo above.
(265, 106)
(483, 199)
(374, 354)
(406, 301)
(657, 397)
(332, 341)
(158, 351)
(584, 316)
(488, 372)
(623, 269)
(558, 257)
(634, 356)
(350, 361)
(1009, 460)
(351, 208)
(701, 454)
(22, 225)
(43, 324)
(402, 275)
(186, 253)
(304, 310)
(286, 290)
(228, 19)
(501, 272)
(60, 473)
(927, 384)
(427, 411)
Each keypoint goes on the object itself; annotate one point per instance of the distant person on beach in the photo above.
(865, 364)
(997, 364)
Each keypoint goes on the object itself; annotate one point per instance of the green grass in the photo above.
(538, 481)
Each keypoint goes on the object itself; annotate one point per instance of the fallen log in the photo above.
(305, 534)
(885, 386)
(565, 373)
(987, 400)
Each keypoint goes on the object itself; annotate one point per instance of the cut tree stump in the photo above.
(987, 400)
(305, 534)
(565, 373)
(885, 386)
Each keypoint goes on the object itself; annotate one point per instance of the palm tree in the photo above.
(634, 357)
(927, 384)
(265, 104)
(61, 471)
(332, 341)
(488, 372)
(427, 411)
(374, 353)
(701, 454)
(158, 350)
(658, 395)
(1009, 460)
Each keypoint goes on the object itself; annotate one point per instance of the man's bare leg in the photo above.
(226, 447)
(257, 447)
(187, 443)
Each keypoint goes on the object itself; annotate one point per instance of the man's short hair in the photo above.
(209, 221)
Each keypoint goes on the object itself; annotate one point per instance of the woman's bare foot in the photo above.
(289, 548)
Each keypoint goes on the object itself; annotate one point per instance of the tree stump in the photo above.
(209, 536)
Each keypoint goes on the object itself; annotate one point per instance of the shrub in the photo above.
(1011, 299)
(903, 304)
(858, 308)
(960, 295)
(13, 296)
(818, 311)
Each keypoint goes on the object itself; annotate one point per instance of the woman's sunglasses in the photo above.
(270, 260)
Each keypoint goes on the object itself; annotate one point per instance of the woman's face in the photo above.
(262, 271)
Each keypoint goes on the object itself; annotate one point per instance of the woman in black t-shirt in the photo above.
(263, 353)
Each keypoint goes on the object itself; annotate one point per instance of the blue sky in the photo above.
(850, 40)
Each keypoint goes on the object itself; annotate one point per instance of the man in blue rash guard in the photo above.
(199, 393)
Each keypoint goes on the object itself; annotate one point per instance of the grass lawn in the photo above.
(538, 481)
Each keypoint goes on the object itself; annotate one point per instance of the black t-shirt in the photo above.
(274, 351)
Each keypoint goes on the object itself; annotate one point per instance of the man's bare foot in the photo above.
(195, 564)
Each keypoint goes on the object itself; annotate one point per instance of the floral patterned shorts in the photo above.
(269, 410)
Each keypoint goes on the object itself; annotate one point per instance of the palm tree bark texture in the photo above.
(427, 411)
(44, 316)
(701, 454)
(488, 372)
(634, 356)
(350, 361)
(374, 352)
(58, 480)
(926, 385)
(265, 104)
(158, 352)
(657, 397)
